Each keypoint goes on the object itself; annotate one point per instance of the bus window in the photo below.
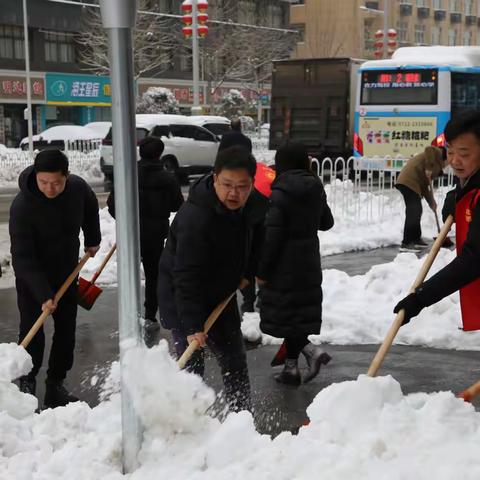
(465, 91)
(399, 87)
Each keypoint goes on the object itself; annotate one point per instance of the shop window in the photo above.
(12, 44)
(59, 47)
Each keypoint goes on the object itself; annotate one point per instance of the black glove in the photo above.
(412, 306)
(449, 205)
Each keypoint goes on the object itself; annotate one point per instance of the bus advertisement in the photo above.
(404, 103)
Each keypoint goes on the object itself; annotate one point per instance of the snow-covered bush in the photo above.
(158, 100)
(233, 104)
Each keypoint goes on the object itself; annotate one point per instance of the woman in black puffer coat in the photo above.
(290, 266)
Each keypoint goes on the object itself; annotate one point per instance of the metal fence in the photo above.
(361, 189)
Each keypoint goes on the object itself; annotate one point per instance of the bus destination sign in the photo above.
(424, 78)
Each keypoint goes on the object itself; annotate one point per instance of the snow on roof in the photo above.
(150, 120)
(203, 119)
(100, 128)
(65, 132)
(439, 55)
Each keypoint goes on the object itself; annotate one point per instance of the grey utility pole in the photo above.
(118, 18)
(196, 109)
(27, 80)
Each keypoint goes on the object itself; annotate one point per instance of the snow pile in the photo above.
(359, 309)
(360, 429)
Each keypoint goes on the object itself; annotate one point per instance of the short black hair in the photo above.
(236, 124)
(51, 160)
(292, 156)
(235, 158)
(465, 122)
(151, 147)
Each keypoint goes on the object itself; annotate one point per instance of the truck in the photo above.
(313, 102)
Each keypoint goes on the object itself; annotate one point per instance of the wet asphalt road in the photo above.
(277, 407)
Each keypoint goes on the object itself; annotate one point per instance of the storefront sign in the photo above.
(394, 136)
(78, 90)
(15, 88)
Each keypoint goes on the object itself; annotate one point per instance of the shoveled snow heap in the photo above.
(364, 429)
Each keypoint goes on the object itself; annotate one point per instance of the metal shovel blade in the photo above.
(87, 293)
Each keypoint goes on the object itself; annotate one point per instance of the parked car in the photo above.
(100, 128)
(189, 149)
(58, 136)
(217, 125)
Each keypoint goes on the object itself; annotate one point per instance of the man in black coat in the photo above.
(45, 222)
(235, 137)
(204, 261)
(159, 194)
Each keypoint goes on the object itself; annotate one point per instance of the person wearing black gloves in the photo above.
(159, 194)
(45, 222)
(207, 254)
(462, 134)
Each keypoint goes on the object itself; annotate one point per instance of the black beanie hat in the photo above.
(293, 156)
(151, 148)
(51, 160)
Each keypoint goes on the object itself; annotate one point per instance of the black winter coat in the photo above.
(465, 267)
(159, 194)
(290, 265)
(204, 260)
(234, 137)
(44, 232)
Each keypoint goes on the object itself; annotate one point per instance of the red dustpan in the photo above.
(88, 292)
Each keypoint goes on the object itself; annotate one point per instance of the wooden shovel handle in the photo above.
(212, 318)
(102, 265)
(41, 319)
(471, 392)
(397, 323)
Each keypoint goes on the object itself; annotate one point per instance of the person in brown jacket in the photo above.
(414, 183)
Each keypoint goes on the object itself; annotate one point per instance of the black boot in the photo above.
(290, 375)
(28, 385)
(56, 395)
(315, 357)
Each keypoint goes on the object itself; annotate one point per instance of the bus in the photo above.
(403, 103)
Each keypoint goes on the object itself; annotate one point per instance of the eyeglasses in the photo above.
(230, 187)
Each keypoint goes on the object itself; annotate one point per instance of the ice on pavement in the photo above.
(363, 429)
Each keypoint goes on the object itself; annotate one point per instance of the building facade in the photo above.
(347, 27)
(64, 91)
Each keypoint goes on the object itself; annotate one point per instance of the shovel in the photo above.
(471, 392)
(212, 318)
(41, 319)
(397, 323)
(88, 292)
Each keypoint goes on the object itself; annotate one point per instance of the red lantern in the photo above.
(392, 43)
(392, 33)
(202, 6)
(187, 31)
(379, 34)
(202, 30)
(202, 18)
(186, 6)
(187, 19)
(378, 44)
(378, 53)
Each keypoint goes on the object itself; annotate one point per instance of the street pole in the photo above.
(385, 27)
(196, 109)
(27, 80)
(118, 18)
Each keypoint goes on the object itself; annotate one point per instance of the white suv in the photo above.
(189, 149)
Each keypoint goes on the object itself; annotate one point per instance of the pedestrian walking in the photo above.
(205, 258)
(235, 137)
(290, 269)
(45, 221)
(462, 134)
(159, 195)
(414, 183)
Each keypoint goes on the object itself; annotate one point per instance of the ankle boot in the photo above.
(28, 385)
(290, 375)
(56, 395)
(315, 357)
